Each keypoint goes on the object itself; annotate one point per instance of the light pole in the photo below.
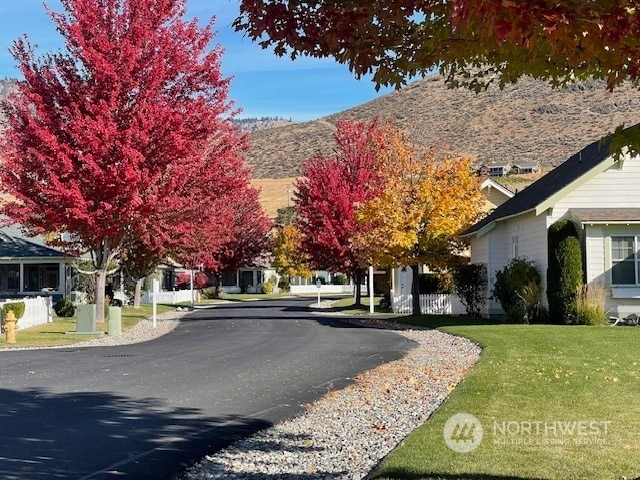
(193, 295)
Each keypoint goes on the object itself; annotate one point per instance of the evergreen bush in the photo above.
(564, 274)
(16, 307)
(340, 279)
(515, 287)
(64, 308)
(284, 285)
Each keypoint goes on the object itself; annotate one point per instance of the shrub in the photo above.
(446, 283)
(16, 307)
(590, 304)
(64, 308)
(530, 309)
(148, 281)
(284, 284)
(471, 286)
(208, 293)
(509, 290)
(564, 275)
(340, 279)
(268, 286)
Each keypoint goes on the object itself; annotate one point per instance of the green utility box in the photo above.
(115, 320)
(85, 316)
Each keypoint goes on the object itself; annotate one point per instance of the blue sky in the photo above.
(263, 84)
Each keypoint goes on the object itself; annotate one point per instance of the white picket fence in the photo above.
(36, 311)
(436, 304)
(324, 289)
(170, 298)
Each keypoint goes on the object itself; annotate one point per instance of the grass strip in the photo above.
(554, 402)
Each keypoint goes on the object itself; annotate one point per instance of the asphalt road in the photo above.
(147, 411)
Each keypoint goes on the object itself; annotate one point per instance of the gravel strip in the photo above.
(347, 432)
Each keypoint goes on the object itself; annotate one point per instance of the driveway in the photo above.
(149, 410)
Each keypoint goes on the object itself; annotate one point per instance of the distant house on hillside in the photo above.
(522, 168)
(595, 191)
(495, 170)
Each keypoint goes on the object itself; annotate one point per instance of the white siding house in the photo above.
(601, 195)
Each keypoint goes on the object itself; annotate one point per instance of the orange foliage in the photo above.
(424, 203)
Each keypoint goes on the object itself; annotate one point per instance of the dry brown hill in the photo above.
(525, 122)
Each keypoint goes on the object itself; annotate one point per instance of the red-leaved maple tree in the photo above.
(328, 194)
(234, 234)
(125, 134)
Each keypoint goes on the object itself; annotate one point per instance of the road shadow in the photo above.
(45, 435)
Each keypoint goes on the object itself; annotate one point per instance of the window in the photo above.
(9, 278)
(625, 261)
(41, 277)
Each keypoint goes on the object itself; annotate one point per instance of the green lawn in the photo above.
(52, 334)
(530, 378)
(347, 305)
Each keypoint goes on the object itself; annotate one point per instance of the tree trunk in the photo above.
(218, 283)
(357, 280)
(137, 296)
(101, 283)
(415, 290)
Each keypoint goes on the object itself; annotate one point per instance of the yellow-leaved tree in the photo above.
(288, 258)
(425, 201)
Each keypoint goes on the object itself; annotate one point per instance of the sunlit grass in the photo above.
(347, 305)
(536, 373)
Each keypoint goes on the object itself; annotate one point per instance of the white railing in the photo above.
(170, 298)
(435, 303)
(36, 311)
(324, 289)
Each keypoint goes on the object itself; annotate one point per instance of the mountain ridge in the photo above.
(525, 122)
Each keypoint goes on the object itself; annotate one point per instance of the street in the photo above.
(148, 410)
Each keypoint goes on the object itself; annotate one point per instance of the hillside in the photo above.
(525, 122)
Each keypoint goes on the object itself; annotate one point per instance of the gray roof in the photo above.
(545, 187)
(13, 244)
(606, 215)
